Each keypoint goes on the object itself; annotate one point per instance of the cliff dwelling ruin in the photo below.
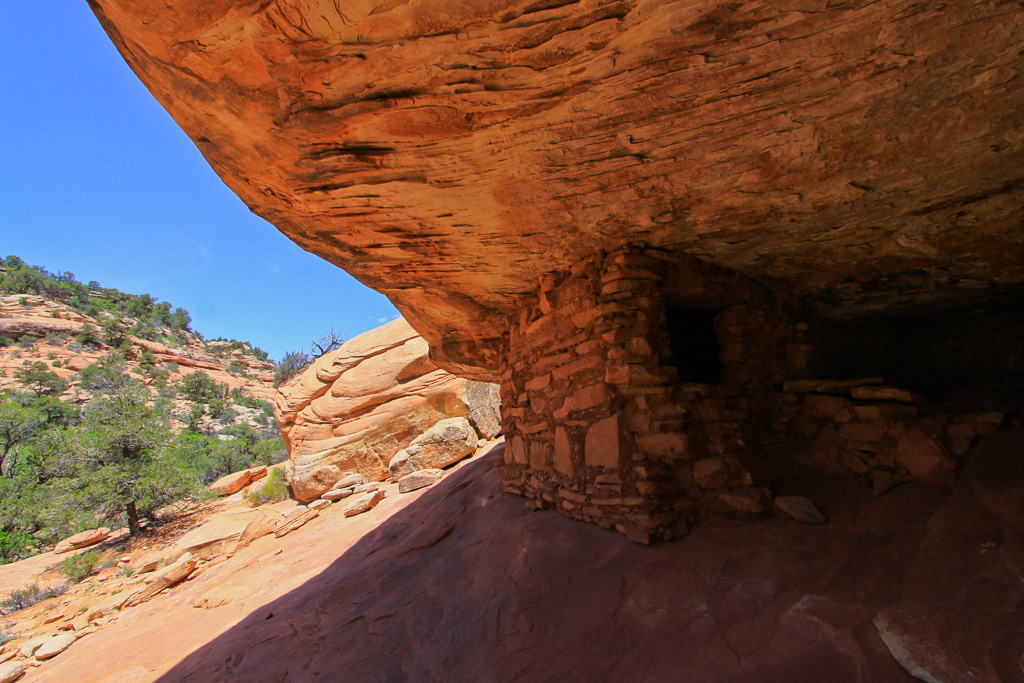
(697, 243)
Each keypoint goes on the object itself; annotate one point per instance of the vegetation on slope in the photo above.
(128, 432)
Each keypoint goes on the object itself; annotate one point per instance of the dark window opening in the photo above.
(694, 343)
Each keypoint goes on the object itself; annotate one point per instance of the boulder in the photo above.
(55, 644)
(353, 409)
(335, 495)
(444, 444)
(419, 479)
(30, 646)
(224, 534)
(231, 483)
(400, 465)
(295, 521)
(165, 578)
(922, 455)
(349, 480)
(363, 503)
(11, 671)
(83, 539)
(801, 509)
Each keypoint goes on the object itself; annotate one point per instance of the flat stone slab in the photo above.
(801, 509)
(419, 480)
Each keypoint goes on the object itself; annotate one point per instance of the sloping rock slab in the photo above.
(223, 534)
(960, 616)
(551, 599)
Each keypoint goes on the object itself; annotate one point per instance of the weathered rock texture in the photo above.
(635, 213)
(456, 583)
(450, 153)
(356, 407)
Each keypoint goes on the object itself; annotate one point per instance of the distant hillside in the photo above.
(71, 327)
(106, 395)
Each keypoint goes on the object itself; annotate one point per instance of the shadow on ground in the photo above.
(465, 584)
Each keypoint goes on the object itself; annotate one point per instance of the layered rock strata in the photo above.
(356, 407)
(691, 184)
(866, 154)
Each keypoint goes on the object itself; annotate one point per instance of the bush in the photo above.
(28, 596)
(5, 637)
(291, 365)
(274, 490)
(16, 545)
(79, 567)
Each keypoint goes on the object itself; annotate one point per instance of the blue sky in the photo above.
(97, 179)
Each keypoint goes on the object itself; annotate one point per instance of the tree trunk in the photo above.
(133, 519)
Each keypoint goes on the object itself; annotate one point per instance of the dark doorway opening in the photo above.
(694, 343)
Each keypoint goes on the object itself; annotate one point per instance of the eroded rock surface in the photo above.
(456, 582)
(356, 407)
(446, 153)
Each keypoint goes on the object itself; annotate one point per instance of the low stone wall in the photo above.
(882, 434)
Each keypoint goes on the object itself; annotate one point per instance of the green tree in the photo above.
(18, 425)
(180, 320)
(38, 378)
(115, 332)
(123, 464)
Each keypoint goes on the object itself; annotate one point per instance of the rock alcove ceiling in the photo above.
(864, 156)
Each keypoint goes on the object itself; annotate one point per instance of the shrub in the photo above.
(291, 365)
(5, 637)
(79, 567)
(274, 490)
(16, 545)
(28, 596)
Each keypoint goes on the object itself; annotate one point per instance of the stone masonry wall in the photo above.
(598, 424)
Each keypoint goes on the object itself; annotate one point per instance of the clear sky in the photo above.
(97, 179)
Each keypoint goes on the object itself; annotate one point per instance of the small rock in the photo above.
(338, 494)
(231, 483)
(30, 647)
(711, 473)
(752, 501)
(82, 540)
(296, 522)
(295, 510)
(149, 566)
(801, 509)
(365, 488)
(349, 481)
(364, 503)
(55, 645)
(11, 671)
(882, 393)
(400, 465)
(319, 504)
(419, 479)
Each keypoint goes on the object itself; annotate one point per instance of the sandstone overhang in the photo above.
(863, 155)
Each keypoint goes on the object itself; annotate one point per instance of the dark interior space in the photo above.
(694, 343)
(968, 356)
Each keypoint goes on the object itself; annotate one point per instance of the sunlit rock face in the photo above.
(863, 156)
(354, 408)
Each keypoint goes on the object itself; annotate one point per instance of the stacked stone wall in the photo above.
(597, 423)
